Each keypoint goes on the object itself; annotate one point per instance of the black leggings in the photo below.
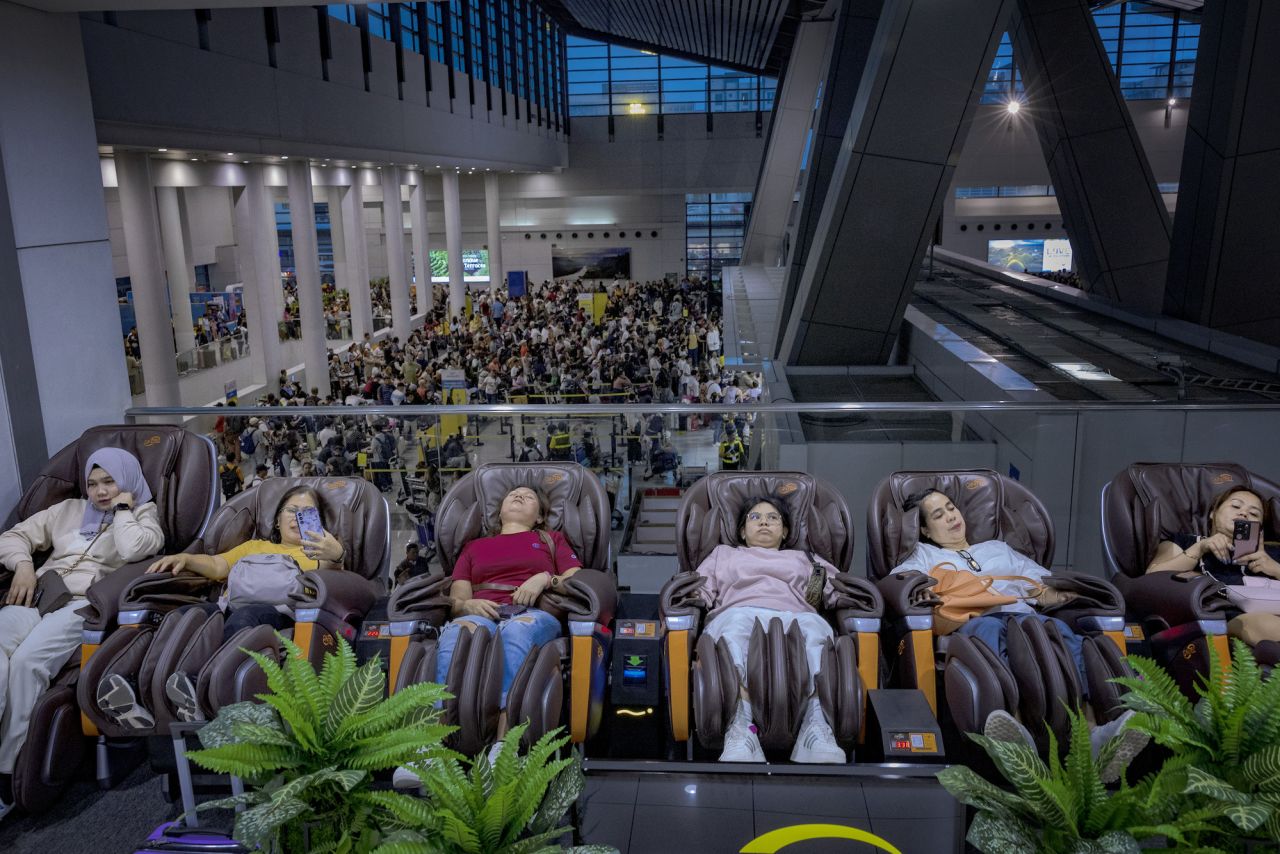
(246, 616)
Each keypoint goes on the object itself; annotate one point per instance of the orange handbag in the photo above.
(966, 595)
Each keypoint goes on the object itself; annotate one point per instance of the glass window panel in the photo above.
(409, 36)
(343, 12)
(379, 21)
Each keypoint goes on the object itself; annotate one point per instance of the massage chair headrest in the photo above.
(353, 510)
(179, 466)
(579, 507)
(708, 515)
(994, 508)
(1150, 502)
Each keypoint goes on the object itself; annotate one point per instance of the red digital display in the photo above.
(902, 744)
(372, 633)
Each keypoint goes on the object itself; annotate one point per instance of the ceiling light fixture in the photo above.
(162, 150)
(284, 157)
(1013, 106)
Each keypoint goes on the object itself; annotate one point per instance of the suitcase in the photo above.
(174, 838)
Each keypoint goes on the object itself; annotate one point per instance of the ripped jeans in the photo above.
(519, 635)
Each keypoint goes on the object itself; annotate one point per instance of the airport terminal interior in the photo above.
(639, 426)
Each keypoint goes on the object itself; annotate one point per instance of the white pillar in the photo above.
(255, 216)
(497, 273)
(357, 283)
(421, 253)
(341, 272)
(453, 242)
(397, 270)
(302, 214)
(146, 273)
(181, 276)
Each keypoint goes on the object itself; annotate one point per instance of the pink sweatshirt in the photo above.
(744, 576)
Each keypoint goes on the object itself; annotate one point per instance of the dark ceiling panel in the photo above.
(749, 35)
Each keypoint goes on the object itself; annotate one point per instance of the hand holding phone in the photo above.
(1246, 539)
(309, 523)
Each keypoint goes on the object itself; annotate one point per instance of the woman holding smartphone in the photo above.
(1218, 555)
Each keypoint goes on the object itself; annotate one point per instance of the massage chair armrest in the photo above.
(163, 592)
(103, 596)
(343, 594)
(587, 596)
(855, 601)
(681, 601)
(908, 594)
(424, 598)
(1176, 597)
(1094, 597)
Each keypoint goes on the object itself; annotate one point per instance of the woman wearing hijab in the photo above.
(116, 523)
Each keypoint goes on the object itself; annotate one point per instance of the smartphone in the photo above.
(309, 521)
(506, 612)
(1246, 539)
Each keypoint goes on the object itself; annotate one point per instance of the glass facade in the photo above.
(1152, 50)
(609, 79)
(714, 226)
(512, 44)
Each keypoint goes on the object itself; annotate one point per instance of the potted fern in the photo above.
(310, 750)
(1226, 745)
(1064, 807)
(505, 804)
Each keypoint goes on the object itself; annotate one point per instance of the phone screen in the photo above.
(1247, 539)
(309, 521)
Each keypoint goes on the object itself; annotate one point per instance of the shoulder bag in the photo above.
(966, 595)
(263, 579)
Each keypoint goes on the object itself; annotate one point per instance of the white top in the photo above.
(994, 557)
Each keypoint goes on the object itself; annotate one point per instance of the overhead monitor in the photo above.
(1030, 256)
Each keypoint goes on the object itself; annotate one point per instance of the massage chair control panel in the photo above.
(637, 655)
(901, 727)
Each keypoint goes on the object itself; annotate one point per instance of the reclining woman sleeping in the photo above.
(1213, 555)
(260, 576)
(87, 537)
(756, 581)
(943, 540)
(498, 578)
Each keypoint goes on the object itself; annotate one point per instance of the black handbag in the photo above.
(51, 592)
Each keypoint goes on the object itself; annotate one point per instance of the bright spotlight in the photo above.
(1013, 106)
(636, 108)
(1173, 102)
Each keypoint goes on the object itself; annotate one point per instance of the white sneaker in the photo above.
(403, 778)
(1100, 735)
(741, 745)
(816, 744)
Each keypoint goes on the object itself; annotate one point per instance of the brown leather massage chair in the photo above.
(545, 692)
(703, 684)
(181, 469)
(1040, 682)
(1178, 616)
(156, 639)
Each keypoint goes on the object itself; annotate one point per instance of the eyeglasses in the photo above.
(291, 510)
(969, 559)
(766, 517)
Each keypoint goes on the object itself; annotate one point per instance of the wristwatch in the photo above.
(122, 506)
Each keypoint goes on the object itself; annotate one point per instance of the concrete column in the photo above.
(1111, 207)
(453, 242)
(62, 365)
(180, 275)
(421, 253)
(492, 210)
(927, 67)
(1227, 217)
(146, 274)
(255, 224)
(302, 214)
(397, 269)
(341, 271)
(357, 252)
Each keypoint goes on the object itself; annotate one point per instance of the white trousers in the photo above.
(734, 625)
(32, 651)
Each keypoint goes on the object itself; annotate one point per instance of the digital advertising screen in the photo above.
(1030, 256)
(475, 265)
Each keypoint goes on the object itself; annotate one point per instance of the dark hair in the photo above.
(776, 501)
(1222, 499)
(301, 489)
(494, 526)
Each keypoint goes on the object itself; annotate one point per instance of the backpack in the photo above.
(247, 443)
(230, 481)
(263, 579)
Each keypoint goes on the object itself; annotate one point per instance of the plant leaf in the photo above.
(994, 835)
(1200, 782)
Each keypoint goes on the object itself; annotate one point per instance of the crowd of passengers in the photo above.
(499, 577)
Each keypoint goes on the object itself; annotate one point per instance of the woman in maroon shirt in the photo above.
(498, 578)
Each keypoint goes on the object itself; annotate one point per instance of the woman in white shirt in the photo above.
(943, 540)
(87, 537)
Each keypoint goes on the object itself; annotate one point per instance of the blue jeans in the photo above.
(519, 635)
(992, 629)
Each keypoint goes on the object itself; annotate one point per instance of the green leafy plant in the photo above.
(1064, 807)
(308, 753)
(512, 804)
(1227, 742)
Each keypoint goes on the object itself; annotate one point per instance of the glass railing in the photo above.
(1065, 453)
(221, 351)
